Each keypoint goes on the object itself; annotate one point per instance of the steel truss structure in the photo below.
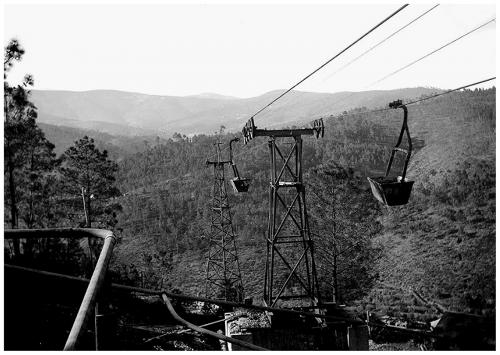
(223, 276)
(290, 276)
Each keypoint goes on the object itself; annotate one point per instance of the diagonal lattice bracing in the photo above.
(290, 267)
(223, 276)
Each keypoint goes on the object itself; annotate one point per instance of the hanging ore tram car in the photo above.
(395, 191)
(239, 184)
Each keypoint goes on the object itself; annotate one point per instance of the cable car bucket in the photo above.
(239, 184)
(395, 191)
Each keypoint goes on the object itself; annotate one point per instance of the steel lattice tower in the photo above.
(290, 278)
(223, 280)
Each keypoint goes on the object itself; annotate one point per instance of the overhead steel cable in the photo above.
(414, 62)
(450, 91)
(422, 99)
(331, 59)
(215, 154)
(379, 43)
(431, 53)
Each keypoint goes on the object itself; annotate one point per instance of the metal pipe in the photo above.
(89, 300)
(73, 233)
(228, 319)
(202, 326)
(88, 304)
(222, 302)
(206, 331)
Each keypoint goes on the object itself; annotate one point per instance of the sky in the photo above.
(245, 50)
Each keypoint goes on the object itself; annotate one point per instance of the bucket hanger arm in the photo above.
(233, 165)
(398, 104)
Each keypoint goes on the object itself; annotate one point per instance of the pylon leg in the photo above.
(223, 275)
(290, 267)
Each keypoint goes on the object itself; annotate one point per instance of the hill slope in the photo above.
(126, 113)
(118, 146)
(441, 243)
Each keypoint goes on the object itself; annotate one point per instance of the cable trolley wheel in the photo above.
(394, 191)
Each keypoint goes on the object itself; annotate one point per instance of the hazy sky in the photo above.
(245, 50)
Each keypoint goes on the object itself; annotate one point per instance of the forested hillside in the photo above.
(442, 243)
(118, 146)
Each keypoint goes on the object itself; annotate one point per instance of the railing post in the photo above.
(96, 325)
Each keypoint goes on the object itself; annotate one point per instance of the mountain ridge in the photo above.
(133, 114)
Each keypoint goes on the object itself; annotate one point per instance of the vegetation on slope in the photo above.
(441, 243)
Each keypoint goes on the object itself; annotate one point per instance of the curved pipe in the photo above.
(146, 291)
(89, 300)
(96, 281)
(74, 233)
(206, 331)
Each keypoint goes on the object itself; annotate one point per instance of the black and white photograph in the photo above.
(287, 175)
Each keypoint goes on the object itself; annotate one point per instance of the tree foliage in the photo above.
(443, 239)
(28, 155)
(344, 215)
(167, 191)
(87, 172)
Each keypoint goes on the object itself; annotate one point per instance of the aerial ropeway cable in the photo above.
(432, 52)
(379, 43)
(425, 98)
(390, 191)
(396, 190)
(417, 60)
(330, 60)
(450, 91)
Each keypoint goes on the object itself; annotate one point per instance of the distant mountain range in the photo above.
(134, 114)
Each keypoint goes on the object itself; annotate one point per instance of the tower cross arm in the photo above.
(250, 131)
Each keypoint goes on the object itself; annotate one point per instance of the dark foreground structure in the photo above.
(46, 310)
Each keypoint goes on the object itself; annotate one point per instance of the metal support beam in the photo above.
(291, 262)
(288, 238)
(88, 304)
(223, 275)
(250, 131)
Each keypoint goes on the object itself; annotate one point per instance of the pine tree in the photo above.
(38, 182)
(17, 114)
(88, 172)
(344, 214)
(28, 155)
